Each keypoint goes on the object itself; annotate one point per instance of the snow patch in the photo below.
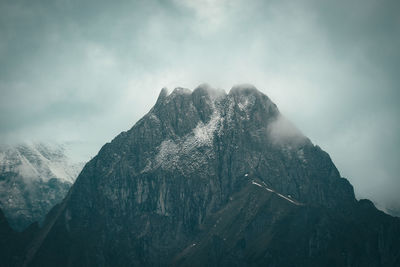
(170, 151)
(279, 194)
(245, 102)
(38, 162)
(257, 184)
(204, 133)
(300, 155)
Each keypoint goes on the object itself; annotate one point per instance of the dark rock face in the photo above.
(214, 179)
(13, 244)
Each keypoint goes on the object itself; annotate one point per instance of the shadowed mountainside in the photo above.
(216, 179)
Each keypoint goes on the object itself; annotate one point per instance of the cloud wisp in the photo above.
(82, 71)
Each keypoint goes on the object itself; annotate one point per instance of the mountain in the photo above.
(33, 178)
(208, 178)
(12, 243)
(7, 237)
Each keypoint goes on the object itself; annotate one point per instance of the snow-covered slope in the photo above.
(33, 178)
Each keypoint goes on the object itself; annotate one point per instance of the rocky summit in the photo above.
(209, 178)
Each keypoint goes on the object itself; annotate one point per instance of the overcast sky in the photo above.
(83, 71)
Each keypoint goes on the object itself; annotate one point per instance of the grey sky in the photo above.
(83, 71)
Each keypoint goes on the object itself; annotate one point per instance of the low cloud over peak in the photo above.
(81, 72)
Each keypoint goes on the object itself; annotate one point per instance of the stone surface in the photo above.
(208, 178)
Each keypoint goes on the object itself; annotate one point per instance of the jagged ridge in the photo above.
(159, 188)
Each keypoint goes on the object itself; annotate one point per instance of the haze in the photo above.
(80, 72)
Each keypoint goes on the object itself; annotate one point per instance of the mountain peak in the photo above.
(206, 90)
(163, 94)
(245, 90)
(180, 91)
(181, 111)
(200, 175)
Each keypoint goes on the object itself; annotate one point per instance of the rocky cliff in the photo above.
(208, 178)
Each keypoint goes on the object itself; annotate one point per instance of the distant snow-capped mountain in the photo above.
(33, 178)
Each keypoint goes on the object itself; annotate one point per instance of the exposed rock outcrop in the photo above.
(214, 179)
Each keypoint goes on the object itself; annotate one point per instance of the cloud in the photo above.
(282, 132)
(82, 71)
(211, 15)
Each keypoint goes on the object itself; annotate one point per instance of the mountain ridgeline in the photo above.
(208, 178)
(33, 178)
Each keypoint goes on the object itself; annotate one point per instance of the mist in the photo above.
(281, 131)
(80, 72)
